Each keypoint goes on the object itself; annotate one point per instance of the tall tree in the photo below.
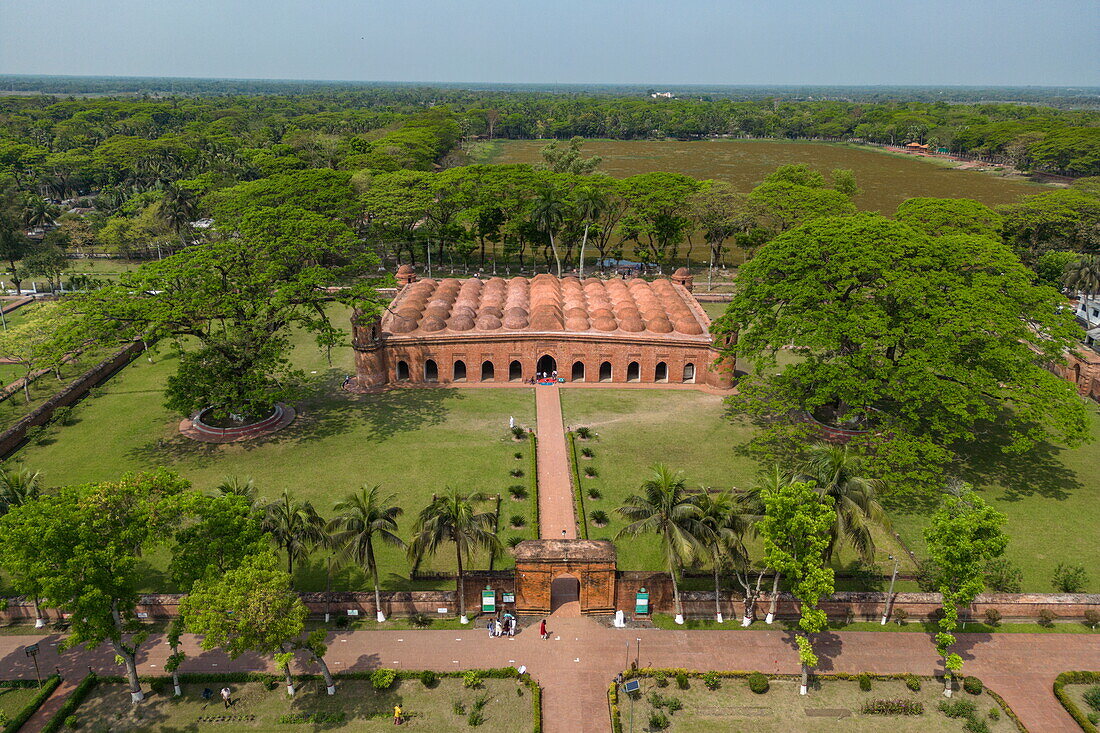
(1082, 275)
(838, 473)
(795, 530)
(963, 536)
(88, 567)
(591, 203)
(568, 158)
(295, 526)
(454, 518)
(252, 608)
(548, 212)
(178, 208)
(17, 487)
(14, 247)
(665, 510)
(217, 534)
(723, 530)
(362, 518)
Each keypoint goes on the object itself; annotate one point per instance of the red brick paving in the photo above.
(53, 703)
(555, 487)
(577, 663)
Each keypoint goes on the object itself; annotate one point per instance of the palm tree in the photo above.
(17, 487)
(295, 526)
(664, 509)
(590, 203)
(723, 532)
(1083, 274)
(361, 517)
(837, 473)
(233, 486)
(547, 214)
(178, 208)
(453, 518)
(36, 212)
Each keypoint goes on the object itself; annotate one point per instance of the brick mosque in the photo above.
(470, 330)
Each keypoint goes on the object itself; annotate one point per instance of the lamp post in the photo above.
(890, 593)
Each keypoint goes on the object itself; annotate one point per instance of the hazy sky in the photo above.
(941, 42)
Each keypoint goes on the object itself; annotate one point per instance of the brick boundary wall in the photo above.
(13, 437)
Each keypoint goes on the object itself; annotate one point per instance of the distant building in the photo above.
(916, 148)
(662, 95)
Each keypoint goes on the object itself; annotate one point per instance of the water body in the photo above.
(885, 180)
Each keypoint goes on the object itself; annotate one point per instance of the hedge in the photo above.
(534, 480)
(617, 725)
(17, 720)
(1075, 678)
(578, 491)
(57, 722)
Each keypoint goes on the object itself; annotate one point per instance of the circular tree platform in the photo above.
(194, 428)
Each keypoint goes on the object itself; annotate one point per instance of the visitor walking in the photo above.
(489, 625)
(226, 697)
(398, 715)
(542, 630)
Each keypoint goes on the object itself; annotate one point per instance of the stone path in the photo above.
(555, 488)
(577, 663)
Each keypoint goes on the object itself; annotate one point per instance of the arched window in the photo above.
(633, 372)
(460, 371)
(605, 371)
(487, 371)
(660, 374)
(402, 371)
(515, 372)
(689, 373)
(578, 371)
(431, 371)
(546, 365)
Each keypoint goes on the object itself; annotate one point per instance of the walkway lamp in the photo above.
(890, 593)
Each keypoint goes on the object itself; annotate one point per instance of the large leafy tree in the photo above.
(454, 518)
(660, 214)
(949, 216)
(928, 338)
(88, 539)
(963, 536)
(233, 302)
(663, 508)
(217, 534)
(252, 608)
(42, 341)
(795, 531)
(795, 194)
(363, 518)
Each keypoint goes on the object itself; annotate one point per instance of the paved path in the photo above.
(577, 663)
(555, 488)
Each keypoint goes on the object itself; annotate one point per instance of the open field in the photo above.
(356, 707)
(885, 180)
(413, 442)
(834, 705)
(14, 699)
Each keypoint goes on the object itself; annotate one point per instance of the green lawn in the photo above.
(14, 699)
(355, 707)
(414, 442)
(833, 705)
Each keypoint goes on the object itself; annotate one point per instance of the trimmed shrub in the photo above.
(1069, 578)
(661, 679)
(993, 617)
(1003, 576)
(583, 433)
(901, 616)
(994, 713)
(1092, 618)
(673, 704)
(587, 452)
(958, 708)
(420, 620)
(428, 678)
(517, 492)
(591, 472)
(471, 678)
(382, 679)
(973, 685)
(1046, 617)
(758, 683)
(516, 472)
(518, 432)
(594, 493)
(682, 680)
(598, 517)
(658, 720)
(976, 725)
(518, 521)
(892, 707)
(865, 682)
(913, 682)
(72, 722)
(712, 680)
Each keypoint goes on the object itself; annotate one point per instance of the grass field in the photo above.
(356, 707)
(1077, 694)
(834, 705)
(413, 442)
(14, 699)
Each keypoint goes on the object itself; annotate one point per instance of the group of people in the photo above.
(505, 626)
(545, 378)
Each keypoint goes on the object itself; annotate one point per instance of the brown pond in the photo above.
(886, 180)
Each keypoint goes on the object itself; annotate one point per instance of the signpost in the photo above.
(641, 602)
(32, 652)
(488, 600)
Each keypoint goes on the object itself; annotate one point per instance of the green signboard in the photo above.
(488, 601)
(641, 602)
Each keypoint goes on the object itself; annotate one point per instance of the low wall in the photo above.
(14, 436)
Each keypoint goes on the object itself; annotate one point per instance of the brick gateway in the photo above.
(460, 331)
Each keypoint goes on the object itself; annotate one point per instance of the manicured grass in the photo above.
(664, 621)
(832, 705)
(356, 707)
(714, 310)
(1077, 694)
(413, 442)
(687, 430)
(1051, 497)
(14, 699)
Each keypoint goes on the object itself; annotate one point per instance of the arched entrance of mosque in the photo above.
(564, 589)
(546, 364)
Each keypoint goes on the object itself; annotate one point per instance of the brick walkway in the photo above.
(555, 488)
(577, 663)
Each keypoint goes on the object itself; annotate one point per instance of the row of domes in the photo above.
(542, 303)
